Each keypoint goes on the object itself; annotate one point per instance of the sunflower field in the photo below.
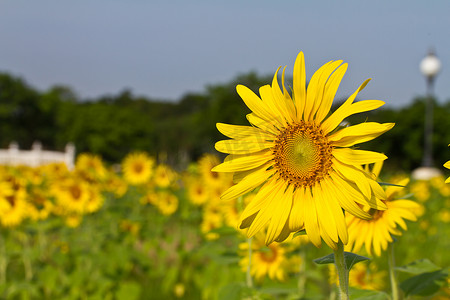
(142, 230)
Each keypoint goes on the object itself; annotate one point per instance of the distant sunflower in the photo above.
(210, 177)
(268, 260)
(91, 166)
(167, 203)
(164, 176)
(377, 232)
(197, 192)
(72, 195)
(363, 275)
(301, 158)
(447, 165)
(13, 208)
(137, 168)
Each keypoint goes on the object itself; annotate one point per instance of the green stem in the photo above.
(392, 275)
(249, 276)
(342, 271)
(302, 273)
(3, 260)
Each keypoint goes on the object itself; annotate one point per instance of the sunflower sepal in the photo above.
(390, 184)
(349, 257)
(299, 233)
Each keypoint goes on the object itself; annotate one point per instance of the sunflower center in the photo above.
(269, 255)
(302, 154)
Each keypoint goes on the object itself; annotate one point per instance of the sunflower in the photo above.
(301, 159)
(167, 203)
(447, 165)
(377, 232)
(197, 192)
(268, 260)
(164, 176)
(72, 195)
(137, 168)
(91, 166)
(13, 208)
(364, 276)
(212, 179)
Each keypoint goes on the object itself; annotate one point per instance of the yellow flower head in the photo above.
(447, 165)
(164, 176)
(13, 208)
(91, 166)
(268, 260)
(137, 168)
(167, 203)
(301, 159)
(197, 192)
(377, 232)
(72, 195)
(365, 276)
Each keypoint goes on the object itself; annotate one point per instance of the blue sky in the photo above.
(164, 49)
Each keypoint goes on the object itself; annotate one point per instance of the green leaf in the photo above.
(301, 232)
(424, 284)
(349, 258)
(128, 291)
(231, 292)
(357, 294)
(390, 184)
(418, 267)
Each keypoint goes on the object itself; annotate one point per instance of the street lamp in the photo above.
(430, 67)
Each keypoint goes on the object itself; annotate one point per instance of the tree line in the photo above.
(180, 131)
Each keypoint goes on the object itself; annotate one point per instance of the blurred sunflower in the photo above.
(164, 176)
(72, 195)
(197, 192)
(137, 168)
(205, 165)
(301, 158)
(95, 201)
(268, 260)
(365, 276)
(91, 166)
(377, 232)
(13, 208)
(40, 205)
(167, 203)
(447, 165)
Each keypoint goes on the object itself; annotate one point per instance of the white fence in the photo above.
(36, 156)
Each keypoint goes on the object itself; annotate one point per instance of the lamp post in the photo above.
(430, 67)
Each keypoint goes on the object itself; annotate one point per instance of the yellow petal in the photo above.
(243, 146)
(256, 105)
(241, 132)
(325, 217)
(265, 214)
(244, 162)
(357, 134)
(299, 82)
(248, 184)
(357, 157)
(277, 111)
(355, 175)
(259, 201)
(296, 219)
(316, 88)
(311, 221)
(330, 91)
(263, 125)
(280, 212)
(347, 203)
(332, 202)
(342, 112)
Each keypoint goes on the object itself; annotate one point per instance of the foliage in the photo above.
(179, 131)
